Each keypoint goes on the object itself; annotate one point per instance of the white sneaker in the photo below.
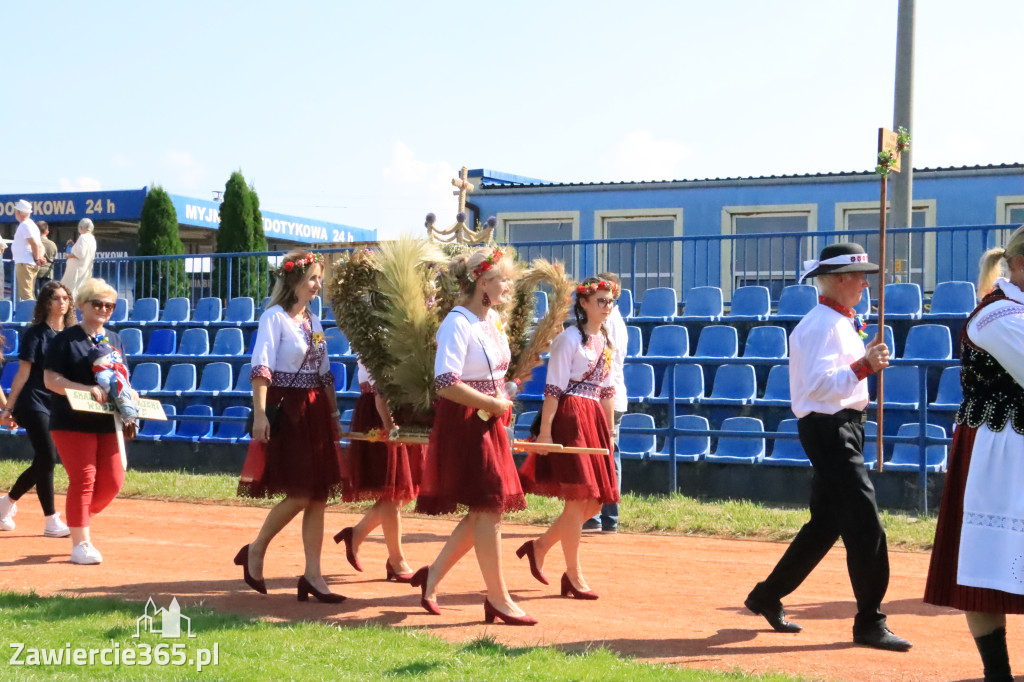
(84, 553)
(55, 528)
(8, 508)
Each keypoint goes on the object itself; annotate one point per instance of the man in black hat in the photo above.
(828, 364)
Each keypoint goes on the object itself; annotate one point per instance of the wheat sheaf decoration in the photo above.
(550, 326)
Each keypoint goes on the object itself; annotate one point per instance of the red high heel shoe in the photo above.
(490, 613)
(346, 535)
(392, 574)
(419, 579)
(528, 550)
(242, 559)
(569, 590)
(304, 589)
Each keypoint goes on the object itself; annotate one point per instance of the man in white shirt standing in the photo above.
(828, 365)
(27, 250)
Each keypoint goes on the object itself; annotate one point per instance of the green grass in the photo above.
(250, 649)
(674, 514)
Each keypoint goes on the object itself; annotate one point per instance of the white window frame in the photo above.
(673, 214)
(930, 208)
(504, 219)
(1005, 204)
(727, 276)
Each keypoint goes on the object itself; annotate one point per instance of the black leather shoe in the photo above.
(775, 615)
(591, 525)
(882, 638)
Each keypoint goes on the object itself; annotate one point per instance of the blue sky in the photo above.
(361, 112)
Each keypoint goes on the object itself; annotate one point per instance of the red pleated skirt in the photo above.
(378, 471)
(579, 422)
(302, 459)
(469, 464)
(941, 587)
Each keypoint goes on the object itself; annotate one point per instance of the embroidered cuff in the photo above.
(553, 391)
(608, 392)
(261, 372)
(327, 379)
(445, 380)
(862, 369)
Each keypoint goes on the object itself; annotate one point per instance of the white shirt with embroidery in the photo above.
(821, 349)
(284, 352)
(578, 369)
(366, 382)
(999, 330)
(620, 342)
(471, 351)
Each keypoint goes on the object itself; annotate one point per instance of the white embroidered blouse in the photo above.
(471, 351)
(366, 382)
(285, 353)
(581, 370)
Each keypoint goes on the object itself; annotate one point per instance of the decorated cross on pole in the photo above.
(890, 149)
(463, 187)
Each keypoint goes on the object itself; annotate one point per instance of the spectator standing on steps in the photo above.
(45, 273)
(27, 249)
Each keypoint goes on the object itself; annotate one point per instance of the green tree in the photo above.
(158, 236)
(240, 231)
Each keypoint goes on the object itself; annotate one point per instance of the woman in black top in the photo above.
(86, 441)
(29, 406)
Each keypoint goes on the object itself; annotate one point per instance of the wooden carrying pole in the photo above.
(880, 417)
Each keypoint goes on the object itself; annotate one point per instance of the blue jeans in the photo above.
(608, 517)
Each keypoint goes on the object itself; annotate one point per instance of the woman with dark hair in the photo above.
(977, 562)
(294, 449)
(579, 400)
(469, 458)
(29, 406)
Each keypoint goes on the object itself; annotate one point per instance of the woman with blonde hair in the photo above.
(469, 458)
(977, 563)
(294, 448)
(78, 265)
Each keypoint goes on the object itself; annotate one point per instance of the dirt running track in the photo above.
(665, 599)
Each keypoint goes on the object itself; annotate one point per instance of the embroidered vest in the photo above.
(991, 396)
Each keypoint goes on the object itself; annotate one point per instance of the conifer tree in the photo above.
(240, 231)
(158, 236)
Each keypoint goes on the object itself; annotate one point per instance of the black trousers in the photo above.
(40, 472)
(842, 506)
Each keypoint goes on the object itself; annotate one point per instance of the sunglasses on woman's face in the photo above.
(605, 302)
(102, 305)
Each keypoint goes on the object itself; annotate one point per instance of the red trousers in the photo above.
(95, 474)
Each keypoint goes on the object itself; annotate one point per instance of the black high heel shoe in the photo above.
(568, 590)
(419, 579)
(346, 535)
(304, 589)
(527, 549)
(490, 613)
(242, 559)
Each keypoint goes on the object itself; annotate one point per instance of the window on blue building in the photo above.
(762, 255)
(530, 232)
(905, 253)
(641, 264)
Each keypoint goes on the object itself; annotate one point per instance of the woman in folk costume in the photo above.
(579, 400)
(294, 447)
(469, 459)
(977, 562)
(388, 473)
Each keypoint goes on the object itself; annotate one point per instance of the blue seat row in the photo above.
(200, 430)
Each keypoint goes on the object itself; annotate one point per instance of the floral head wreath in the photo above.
(304, 262)
(594, 287)
(486, 265)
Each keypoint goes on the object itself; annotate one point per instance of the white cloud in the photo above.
(80, 184)
(639, 156)
(415, 188)
(120, 161)
(189, 171)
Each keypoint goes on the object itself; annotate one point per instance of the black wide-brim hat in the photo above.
(838, 258)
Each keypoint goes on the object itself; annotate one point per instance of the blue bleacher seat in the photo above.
(766, 342)
(950, 393)
(636, 341)
(346, 419)
(739, 450)
(953, 300)
(232, 431)
(890, 339)
(796, 301)
(240, 310)
(194, 341)
(523, 421)
(10, 343)
(928, 342)
(659, 304)
(353, 387)
(337, 344)
(243, 387)
(902, 301)
(717, 341)
(907, 456)
(216, 379)
(252, 342)
(146, 377)
(176, 310)
(24, 311)
(533, 388)
(145, 311)
(181, 379)
(6, 310)
(787, 452)
(7, 376)
(120, 314)
(864, 306)
(625, 303)
(636, 445)
(902, 388)
(776, 388)
(639, 380)
(340, 373)
(540, 304)
(131, 340)
(153, 429)
(734, 385)
(316, 306)
(228, 341)
(162, 342)
(870, 444)
(689, 383)
(704, 304)
(265, 303)
(688, 448)
(668, 341)
(193, 431)
(750, 303)
(208, 309)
